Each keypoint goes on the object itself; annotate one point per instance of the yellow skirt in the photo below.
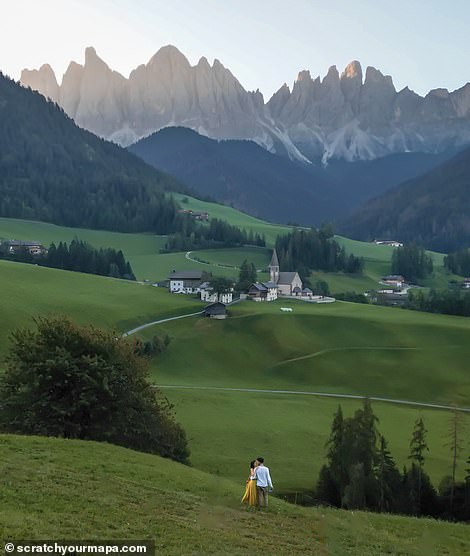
(251, 496)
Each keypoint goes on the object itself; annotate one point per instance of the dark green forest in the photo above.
(431, 210)
(51, 170)
(79, 256)
(307, 250)
(458, 262)
(218, 233)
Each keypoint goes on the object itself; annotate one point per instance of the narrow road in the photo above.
(146, 325)
(318, 394)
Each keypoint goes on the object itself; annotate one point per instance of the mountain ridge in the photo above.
(431, 210)
(337, 117)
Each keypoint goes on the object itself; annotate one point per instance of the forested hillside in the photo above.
(52, 170)
(432, 210)
(245, 175)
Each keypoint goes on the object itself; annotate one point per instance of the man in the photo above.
(263, 482)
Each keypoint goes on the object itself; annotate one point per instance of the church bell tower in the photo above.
(274, 268)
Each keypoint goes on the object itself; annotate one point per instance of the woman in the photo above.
(251, 496)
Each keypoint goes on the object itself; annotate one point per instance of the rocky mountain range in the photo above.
(349, 116)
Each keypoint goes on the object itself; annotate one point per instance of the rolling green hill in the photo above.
(63, 489)
(250, 350)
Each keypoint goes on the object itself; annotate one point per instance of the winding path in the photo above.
(318, 394)
(146, 325)
(298, 392)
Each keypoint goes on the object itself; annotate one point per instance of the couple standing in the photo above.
(258, 485)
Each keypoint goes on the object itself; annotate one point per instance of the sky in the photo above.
(423, 44)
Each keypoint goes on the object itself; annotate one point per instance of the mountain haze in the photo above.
(432, 210)
(245, 175)
(353, 116)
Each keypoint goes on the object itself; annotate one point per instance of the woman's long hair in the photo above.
(252, 464)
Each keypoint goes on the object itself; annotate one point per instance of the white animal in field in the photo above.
(286, 309)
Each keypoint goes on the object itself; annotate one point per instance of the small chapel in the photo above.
(288, 283)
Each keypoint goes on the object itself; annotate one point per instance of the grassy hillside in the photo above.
(253, 349)
(59, 489)
(30, 290)
(340, 348)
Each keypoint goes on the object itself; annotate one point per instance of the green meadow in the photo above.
(65, 489)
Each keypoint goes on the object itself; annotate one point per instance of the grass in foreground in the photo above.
(53, 488)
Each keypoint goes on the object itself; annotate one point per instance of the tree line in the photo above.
(78, 256)
(412, 262)
(218, 233)
(449, 302)
(361, 473)
(307, 250)
(458, 262)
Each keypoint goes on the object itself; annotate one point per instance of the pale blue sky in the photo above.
(422, 43)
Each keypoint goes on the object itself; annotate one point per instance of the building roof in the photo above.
(286, 277)
(18, 243)
(274, 259)
(393, 277)
(258, 286)
(297, 289)
(307, 290)
(269, 285)
(216, 308)
(186, 275)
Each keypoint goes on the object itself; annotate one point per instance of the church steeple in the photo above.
(274, 267)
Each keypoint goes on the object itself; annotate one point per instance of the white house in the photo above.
(185, 281)
(208, 294)
(395, 280)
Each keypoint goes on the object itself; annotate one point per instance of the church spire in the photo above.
(274, 267)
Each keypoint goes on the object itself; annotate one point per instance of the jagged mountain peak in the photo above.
(352, 115)
(352, 71)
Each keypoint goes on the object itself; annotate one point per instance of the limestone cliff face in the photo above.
(344, 116)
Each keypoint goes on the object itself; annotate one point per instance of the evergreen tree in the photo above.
(388, 478)
(418, 447)
(456, 445)
(246, 276)
(336, 455)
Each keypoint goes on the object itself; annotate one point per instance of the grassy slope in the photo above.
(61, 489)
(30, 291)
(245, 351)
(248, 349)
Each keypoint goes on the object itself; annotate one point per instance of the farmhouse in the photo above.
(208, 294)
(185, 281)
(15, 247)
(389, 242)
(215, 311)
(196, 215)
(263, 291)
(466, 283)
(394, 280)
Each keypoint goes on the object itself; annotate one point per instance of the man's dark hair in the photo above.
(261, 460)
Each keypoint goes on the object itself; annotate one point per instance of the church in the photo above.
(288, 283)
(281, 283)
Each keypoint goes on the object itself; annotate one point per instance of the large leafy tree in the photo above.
(82, 382)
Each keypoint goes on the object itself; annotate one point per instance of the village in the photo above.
(285, 284)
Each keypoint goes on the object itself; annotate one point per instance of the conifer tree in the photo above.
(418, 447)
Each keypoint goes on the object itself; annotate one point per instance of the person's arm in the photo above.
(253, 476)
(270, 483)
